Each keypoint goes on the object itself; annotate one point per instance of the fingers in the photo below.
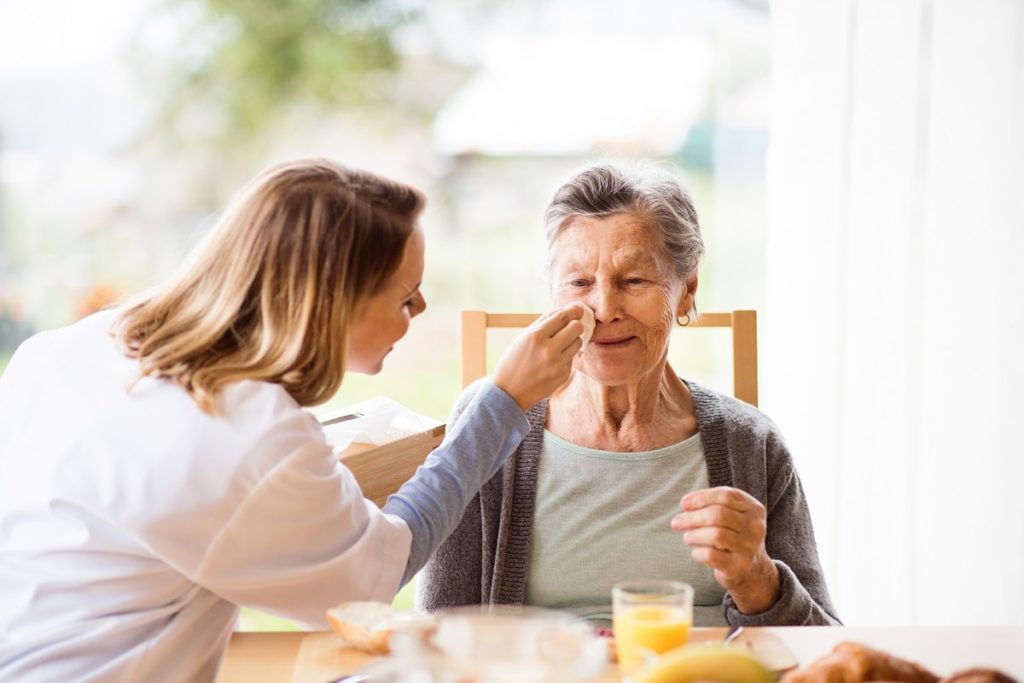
(725, 507)
(721, 560)
(717, 549)
(716, 537)
(716, 515)
(724, 519)
(570, 351)
(555, 321)
(726, 529)
(540, 360)
(727, 496)
(563, 327)
(567, 337)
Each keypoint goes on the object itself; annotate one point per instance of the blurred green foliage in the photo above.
(258, 57)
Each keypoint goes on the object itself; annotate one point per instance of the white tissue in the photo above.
(588, 326)
(380, 420)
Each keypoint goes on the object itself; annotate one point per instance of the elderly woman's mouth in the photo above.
(612, 342)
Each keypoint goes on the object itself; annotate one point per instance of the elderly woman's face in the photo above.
(616, 266)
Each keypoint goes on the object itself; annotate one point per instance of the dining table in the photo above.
(319, 657)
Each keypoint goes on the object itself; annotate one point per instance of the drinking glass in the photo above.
(519, 644)
(650, 616)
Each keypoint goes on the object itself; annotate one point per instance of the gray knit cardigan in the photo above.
(486, 559)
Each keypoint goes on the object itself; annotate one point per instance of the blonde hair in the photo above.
(270, 294)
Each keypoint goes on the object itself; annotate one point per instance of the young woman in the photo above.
(157, 468)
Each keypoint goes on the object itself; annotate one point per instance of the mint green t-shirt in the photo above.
(602, 517)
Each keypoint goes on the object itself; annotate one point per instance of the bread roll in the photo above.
(368, 626)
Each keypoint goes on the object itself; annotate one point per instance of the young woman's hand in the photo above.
(726, 528)
(539, 361)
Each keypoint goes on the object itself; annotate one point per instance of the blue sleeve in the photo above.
(476, 445)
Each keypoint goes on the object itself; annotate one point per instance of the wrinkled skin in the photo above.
(622, 394)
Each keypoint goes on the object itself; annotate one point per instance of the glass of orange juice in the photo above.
(650, 616)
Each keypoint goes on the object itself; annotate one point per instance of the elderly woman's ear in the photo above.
(685, 309)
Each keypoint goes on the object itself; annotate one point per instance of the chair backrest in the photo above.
(744, 344)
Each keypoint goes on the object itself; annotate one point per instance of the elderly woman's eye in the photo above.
(578, 282)
(635, 281)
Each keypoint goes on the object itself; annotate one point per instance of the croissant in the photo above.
(979, 675)
(856, 663)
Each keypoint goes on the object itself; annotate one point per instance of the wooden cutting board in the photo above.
(322, 656)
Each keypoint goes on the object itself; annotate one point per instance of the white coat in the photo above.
(132, 524)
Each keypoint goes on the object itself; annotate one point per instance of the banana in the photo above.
(726, 663)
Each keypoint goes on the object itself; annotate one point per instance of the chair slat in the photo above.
(744, 344)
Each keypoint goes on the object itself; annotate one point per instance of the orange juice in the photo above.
(656, 628)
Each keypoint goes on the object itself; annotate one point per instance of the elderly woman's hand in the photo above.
(726, 528)
(540, 359)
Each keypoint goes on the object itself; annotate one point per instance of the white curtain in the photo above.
(892, 340)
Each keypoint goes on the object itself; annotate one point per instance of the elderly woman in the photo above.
(630, 471)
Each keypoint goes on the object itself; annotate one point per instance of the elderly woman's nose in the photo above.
(604, 302)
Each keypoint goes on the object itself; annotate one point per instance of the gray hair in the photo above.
(648, 192)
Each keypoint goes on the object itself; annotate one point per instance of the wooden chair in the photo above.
(744, 344)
